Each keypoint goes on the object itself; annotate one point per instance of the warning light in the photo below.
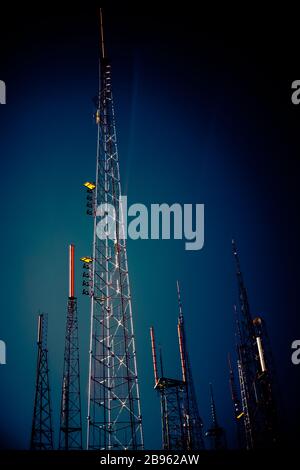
(86, 259)
(89, 185)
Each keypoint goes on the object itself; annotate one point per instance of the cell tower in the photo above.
(114, 414)
(192, 421)
(171, 403)
(237, 408)
(70, 436)
(215, 433)
(255, 373)
(181, 422)
(42, 431)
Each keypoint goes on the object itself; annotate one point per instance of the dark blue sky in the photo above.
(203, 117)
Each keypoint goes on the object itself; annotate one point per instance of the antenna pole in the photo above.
(179, 301)
(154, 354)
(102, 36)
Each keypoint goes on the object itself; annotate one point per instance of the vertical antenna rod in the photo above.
(237, 411)
(40, 334)
(42, 431)
(215, 433)
(101, 36)
(213, 407)
(70, 436)
(180, 330)
(243, 295)
(71, 270)
(179, 301)
(192, 420)
(181, 351)
(154, 354)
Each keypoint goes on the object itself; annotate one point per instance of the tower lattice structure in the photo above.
(255, 371)
(70, 436)
(215, 433)
(171, 404)
(181, 422)
(114, 413)
(193, 424)
(237, 408)
(42, 431)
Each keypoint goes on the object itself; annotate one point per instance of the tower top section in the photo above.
(102, 45)
(180, 318)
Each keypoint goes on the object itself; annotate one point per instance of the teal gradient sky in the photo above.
(201, 119)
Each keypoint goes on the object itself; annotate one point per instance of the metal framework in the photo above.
(114, 414)
(171, 402)
(237, 408)
(192, 421)
(42, 431)
(70, 437)
(181, 422)
(215, 433)
(255, 373)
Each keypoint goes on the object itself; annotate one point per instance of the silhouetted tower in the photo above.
(255, 373)
(114, 414)
(171, 402)
(42, 431)
(70, 436)
(215, 433)
(237, 408)
(192, 422)
(266, 379)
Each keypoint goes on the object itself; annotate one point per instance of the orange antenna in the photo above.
(71, 270)
(39, 335)
(154, 354)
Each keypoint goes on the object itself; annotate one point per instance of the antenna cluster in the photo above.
(114, 420)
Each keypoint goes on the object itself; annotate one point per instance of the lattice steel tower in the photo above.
(171, 393)
(192, 420)
(255, 373)
(114, 414)
(181, 422)
(215, 433)
(237, 408)
(70, 436)
(42, 431)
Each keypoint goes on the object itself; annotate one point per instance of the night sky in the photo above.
(203, 116)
